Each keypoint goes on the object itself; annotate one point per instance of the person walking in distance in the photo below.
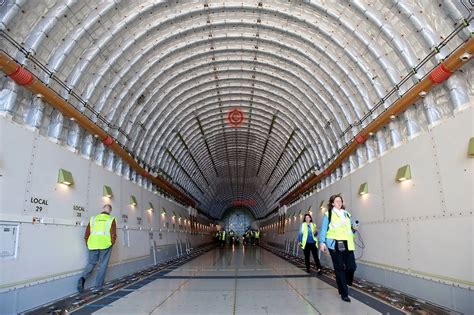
(308, 242)
(337, 235)
(100, 236)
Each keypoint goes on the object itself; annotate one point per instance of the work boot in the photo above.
(80, 284)
(346, 299)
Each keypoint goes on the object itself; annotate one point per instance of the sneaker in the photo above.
(346, 299)
(320, 272)
(80, 284)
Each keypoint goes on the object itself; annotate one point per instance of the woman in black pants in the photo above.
(337, 235)
(308, 241)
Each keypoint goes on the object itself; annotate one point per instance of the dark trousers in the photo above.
(311, 247)
(344, 266)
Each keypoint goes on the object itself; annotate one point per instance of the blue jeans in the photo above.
(102, 257)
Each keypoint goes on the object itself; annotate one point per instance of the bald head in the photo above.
(107, 208)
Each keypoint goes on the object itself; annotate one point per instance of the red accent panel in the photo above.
(360, 138)
(108, 141)
(21, 76)
(439, 74)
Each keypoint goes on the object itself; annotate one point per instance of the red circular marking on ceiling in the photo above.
(235, 117)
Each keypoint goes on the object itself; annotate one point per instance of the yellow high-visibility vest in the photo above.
(223, 236)
(341, 232)
(100, 231)
(257, 234)
(304, 230)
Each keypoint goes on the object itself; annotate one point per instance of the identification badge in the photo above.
(340, 246)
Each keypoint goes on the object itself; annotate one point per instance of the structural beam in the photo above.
(439, 74)
(25, 78)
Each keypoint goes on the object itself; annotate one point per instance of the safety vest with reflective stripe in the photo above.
(304, 230)
(223, 236)
(341, 231)
(100, 231)
(257, 234)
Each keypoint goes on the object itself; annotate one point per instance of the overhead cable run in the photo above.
(25, 78)
(459, 57)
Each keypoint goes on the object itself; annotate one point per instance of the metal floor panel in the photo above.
(235, 280)
(231, 280)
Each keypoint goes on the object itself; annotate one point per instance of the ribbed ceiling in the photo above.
(303, 73)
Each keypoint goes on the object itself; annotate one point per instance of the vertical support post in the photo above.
(181, 247)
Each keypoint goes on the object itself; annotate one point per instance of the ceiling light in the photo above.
(403, 173)
(133, 200)
(422, 93)
(65, 177)
(321, 205)
(363, 189)
(465, 56)
(470, 149)
(107, 192)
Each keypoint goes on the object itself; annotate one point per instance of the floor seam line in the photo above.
(294, 289)
(169, 296)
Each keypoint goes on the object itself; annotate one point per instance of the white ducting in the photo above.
(87, 145)
(35, 113)
(321, 73)
(73, 135)
(8, 96)
(55, 125)
(118, 166)
(109, 160)
(99, 153)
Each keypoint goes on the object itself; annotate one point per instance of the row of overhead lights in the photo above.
(403, 174)
(65, 177)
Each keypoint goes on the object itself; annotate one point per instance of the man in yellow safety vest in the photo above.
(100, 236)
(222, 237)
(257, 237)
